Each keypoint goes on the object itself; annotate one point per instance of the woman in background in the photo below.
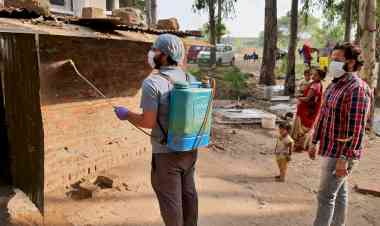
(307, 111)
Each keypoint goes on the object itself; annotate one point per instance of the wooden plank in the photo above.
(368, 188)
(21, 85)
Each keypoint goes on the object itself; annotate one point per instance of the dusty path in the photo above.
(235, 188)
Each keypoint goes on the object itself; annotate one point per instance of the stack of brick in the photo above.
(92, 12)
(130, 16)
(168, 24)
(41, 7)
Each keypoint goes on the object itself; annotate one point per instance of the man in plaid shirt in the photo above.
(340, 131)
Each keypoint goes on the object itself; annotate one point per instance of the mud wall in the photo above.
(82, 135)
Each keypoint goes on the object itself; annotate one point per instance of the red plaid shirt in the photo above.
(340, 128)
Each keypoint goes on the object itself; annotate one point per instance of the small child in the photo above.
(283, 150)
(304, 83)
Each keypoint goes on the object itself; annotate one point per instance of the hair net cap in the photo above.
(171, 45)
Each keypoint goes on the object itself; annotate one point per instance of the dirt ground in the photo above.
(236, 187)
(235, 184)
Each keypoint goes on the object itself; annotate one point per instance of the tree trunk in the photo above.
(367, 18)
(358, 32)
(212, 31)
(290, 81)
(153, 12)
(148, 10)
(368, 38)
(378, 60)
(378, 85)
(267, 75)
(219, 35)
(348, 17)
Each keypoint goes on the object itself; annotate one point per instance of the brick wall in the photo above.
(82, 135)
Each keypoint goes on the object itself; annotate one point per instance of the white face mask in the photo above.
(151, 55)
(336, 69)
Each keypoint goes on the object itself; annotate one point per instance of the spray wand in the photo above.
(71, 62)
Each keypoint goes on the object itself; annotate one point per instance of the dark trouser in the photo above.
(173, 182)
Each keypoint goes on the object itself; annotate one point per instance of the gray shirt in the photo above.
(155, 98)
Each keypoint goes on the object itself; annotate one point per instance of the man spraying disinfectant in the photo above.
(170, 90)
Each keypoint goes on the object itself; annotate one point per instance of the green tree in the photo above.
(220, 29)
(210, 6)
(227, 6)
(140, 4)
(319, 31)
(336, 12)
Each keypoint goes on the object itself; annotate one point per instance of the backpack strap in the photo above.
(164, 140)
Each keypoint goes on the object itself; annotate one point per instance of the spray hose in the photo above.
(198, 139)
(155, 139)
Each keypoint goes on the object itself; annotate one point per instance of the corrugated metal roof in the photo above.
(108, 23)
(60, 28)
(18, 13)
(115, 24)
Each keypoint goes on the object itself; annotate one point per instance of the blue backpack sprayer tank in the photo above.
(190, 116)
(190, 113)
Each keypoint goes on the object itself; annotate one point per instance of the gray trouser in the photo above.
(173, 181)
(333, 195)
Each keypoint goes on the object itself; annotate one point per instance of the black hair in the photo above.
(321, 73)
(351, 52)
(285, 125)
(171, 62)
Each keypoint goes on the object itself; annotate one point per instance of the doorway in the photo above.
(5, 171)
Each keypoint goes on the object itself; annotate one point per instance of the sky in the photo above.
(249, 20)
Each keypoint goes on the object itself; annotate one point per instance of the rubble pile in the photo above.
(130, 16)
(41, 7)
(168, 24)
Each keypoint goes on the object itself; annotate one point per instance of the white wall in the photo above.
(78, 5)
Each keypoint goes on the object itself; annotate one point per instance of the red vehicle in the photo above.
(193, 53)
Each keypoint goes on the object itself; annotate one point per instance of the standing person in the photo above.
(307, 51)
(307, 111)
(172, 175)
(340, 132)
(304, 83)
(283, 150)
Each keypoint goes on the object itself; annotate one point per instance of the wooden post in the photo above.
(21, 86)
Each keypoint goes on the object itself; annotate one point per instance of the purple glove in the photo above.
(121, 112)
